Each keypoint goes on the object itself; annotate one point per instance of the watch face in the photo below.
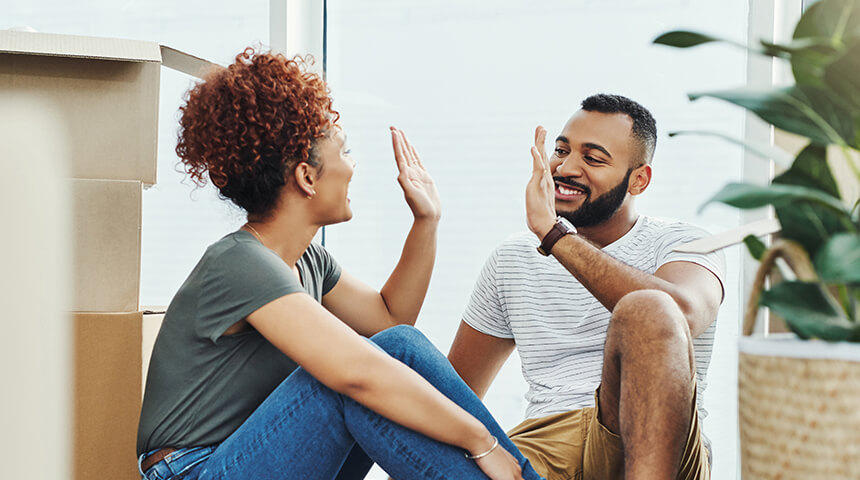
(569, 226)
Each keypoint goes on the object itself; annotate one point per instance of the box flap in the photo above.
(186, 63)
(730, 237)
(51, 44)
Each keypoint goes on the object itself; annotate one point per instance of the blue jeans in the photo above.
(304, 430)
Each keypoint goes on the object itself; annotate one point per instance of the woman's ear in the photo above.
(306, 176)
(640, 178)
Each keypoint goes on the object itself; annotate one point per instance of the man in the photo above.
(611, 306)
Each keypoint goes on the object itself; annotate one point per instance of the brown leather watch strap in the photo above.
(561, 228)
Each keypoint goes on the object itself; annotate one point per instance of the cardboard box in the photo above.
(107, 91)
(152, 318)
(107, 394)
(106, 222)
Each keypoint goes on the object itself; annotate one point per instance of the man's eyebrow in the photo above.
(588, 145)
(594, 146)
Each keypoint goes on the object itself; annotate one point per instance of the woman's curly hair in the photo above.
(247, 126)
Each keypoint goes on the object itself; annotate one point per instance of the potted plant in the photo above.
(799, 396)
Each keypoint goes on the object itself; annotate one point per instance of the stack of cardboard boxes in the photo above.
(107, 91)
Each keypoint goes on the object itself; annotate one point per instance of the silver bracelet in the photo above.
(482, 455)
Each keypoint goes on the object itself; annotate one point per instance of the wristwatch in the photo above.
(561, 228)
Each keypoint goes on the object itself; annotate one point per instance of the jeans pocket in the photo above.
(151, 474)
(188, 469)
(184, 462)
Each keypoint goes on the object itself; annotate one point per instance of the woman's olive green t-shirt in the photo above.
(201, 385)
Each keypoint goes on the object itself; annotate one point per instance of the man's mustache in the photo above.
(572, 183)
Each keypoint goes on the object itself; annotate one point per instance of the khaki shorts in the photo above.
(575, 445)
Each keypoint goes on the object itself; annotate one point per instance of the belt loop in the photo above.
(139, 461)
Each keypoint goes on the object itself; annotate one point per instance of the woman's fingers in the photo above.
(500, 465)
(404, 148)
(415, 157)
(395, 148)
(412, 157)
(400, 154)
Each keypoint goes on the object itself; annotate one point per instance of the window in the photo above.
(469, 82)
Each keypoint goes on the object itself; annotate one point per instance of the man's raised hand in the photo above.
(540, 191)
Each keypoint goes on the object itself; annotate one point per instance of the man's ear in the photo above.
(640, 178)
(306, 176)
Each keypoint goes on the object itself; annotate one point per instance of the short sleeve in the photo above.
(236, 283)
(485, 312)
(680, 234)
(326, 266)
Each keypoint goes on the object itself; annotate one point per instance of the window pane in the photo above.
(469, 82)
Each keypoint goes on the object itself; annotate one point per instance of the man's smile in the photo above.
(566, 189)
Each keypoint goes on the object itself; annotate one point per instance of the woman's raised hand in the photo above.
(417, 184)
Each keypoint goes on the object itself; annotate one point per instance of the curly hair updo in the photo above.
(247, 126)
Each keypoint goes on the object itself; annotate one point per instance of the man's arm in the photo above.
(694, 288)
(477, 357)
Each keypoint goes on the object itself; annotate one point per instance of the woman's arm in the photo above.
(399, 301)
(342, 360)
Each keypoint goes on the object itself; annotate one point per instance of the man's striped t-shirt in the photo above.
(558, 326)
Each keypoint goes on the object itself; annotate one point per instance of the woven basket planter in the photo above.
(799, 400)
(799, 409)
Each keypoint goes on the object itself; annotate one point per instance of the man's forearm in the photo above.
(406, 287)
(609, 279)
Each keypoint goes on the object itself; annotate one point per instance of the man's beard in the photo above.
(599, 210)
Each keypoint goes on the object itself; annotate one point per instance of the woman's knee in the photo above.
(399, 335)
(407, 344)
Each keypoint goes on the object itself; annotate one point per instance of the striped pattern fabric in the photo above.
(558, 326)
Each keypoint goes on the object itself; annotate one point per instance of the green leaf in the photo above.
(801, 109)
(836, 20)
(685, 39)
(746, 196)
(808, 312)
(807, 216)
(763, 150)
(843, 75)
(808, 57)
(801, 46)
(809, 224)
(755, 246)
(811, 169)
(839, 259)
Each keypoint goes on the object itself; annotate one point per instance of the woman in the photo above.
(222, 397)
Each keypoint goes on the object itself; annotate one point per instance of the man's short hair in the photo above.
(644, 125)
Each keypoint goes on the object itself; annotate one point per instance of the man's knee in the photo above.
(649, 313)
